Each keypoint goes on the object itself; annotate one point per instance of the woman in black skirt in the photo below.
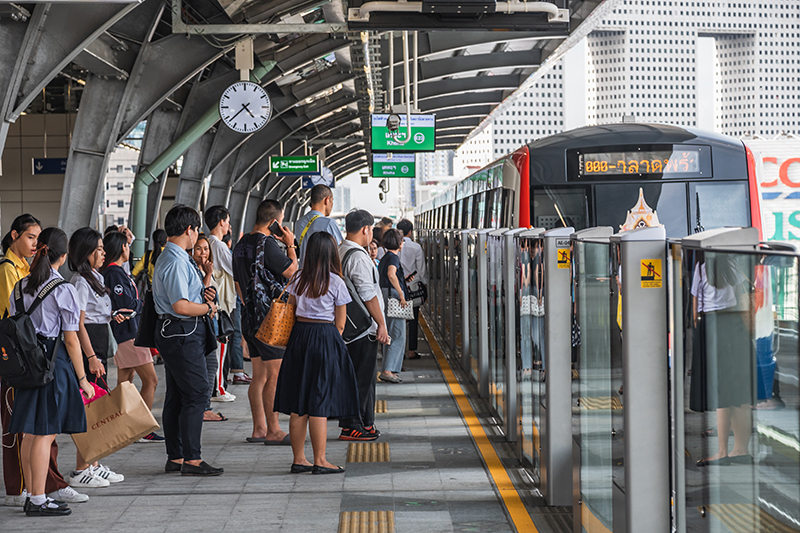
(41, 413)
(317, 380)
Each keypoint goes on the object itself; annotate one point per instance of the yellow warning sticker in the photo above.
(563, 257)
(651, 274)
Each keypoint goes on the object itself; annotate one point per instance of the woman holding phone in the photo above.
(127, 306)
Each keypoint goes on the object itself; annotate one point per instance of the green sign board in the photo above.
(423, 134)
(294, 164)
(393, 165)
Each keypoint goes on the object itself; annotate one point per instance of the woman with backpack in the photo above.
(317, 380)
(57, 407)
(124, 295)
(86, 257)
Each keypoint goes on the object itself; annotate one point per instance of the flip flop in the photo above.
(256, 440)
(286, 441)
(222, 418)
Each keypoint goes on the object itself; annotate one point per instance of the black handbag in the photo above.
(358, 318)
(146, 334)
(225, 329)
(211, 340)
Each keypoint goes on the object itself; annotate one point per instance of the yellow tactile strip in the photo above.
(380, 406)
(600, 403)
(368, 452)
(366, 522)
(747, 518)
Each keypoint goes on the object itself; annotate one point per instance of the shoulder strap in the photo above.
(43, 293)
(350, 252)
(305, 230)
(6, 260)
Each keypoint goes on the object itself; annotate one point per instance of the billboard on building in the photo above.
(779, 186)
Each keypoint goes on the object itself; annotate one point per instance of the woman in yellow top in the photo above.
(159, 241)
(18, 244)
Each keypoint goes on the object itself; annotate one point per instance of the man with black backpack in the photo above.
(362, 337)
(260, 270)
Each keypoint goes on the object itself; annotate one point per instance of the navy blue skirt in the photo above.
(317, 376)
(55, 408)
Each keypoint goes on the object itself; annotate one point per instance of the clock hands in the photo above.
(245, 107)
(237, 113)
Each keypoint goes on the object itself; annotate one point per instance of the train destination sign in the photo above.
(393, 165)
(293, 164)
(423, 134)
(656, 162)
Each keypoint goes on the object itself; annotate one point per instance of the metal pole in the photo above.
(416, 70)
(391, 70)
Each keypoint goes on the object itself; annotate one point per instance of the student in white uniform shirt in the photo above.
(86, 256)
(412, 260)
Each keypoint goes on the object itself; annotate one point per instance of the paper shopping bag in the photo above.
(113, 422)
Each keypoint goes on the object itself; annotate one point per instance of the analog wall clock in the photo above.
(245, 107)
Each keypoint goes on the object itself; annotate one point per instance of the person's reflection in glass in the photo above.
(722, 370)
(526, 339)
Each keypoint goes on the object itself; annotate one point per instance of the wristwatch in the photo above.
(210, 309)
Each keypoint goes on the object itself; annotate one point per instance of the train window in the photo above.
(612, 203)
(554, 207)
(480, 220)
(720, 204)
(471, 223)
(489, 221)
(508, 209)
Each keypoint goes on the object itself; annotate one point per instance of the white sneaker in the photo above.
(227, 397)
(16, 501)
(87, 479)
(69, 495)
(106, 473)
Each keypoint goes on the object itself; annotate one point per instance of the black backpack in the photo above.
(262, 289)
(23, 361)
(358, 318)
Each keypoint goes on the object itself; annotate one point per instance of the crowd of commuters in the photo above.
(209, 299)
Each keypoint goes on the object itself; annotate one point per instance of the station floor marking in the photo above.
(511, 498)
(368, 452)
(601, 402)
(366, 522)
(380, 406)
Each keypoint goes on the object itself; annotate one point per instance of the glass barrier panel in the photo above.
(493, 277)
(530, 343)
(740, 388)
(593, 398)
(537, 309)
(456, 284)
(447, 288)
(616, 392)
(473, 305)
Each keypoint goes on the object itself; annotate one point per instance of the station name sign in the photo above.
(423, 134)
(393, 165)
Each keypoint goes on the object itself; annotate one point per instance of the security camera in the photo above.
(393, 122)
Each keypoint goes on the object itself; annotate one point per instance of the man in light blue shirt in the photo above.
(182, 304)
(316, 220)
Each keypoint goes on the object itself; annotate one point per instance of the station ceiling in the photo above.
(168, 61)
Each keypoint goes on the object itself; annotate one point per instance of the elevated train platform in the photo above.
(439, 466)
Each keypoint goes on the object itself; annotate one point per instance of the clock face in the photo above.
(245, 107)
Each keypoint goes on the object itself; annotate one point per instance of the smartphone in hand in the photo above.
(408, 278)
(276, 229)
(123, 314)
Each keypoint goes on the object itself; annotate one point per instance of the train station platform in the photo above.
(437, 467)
